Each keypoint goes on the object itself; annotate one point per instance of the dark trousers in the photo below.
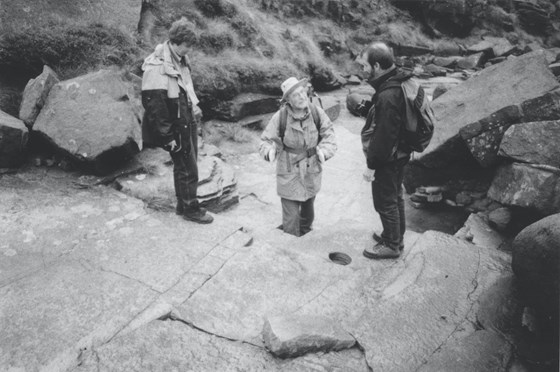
(297, 216)
(388, 201)
(185, 168)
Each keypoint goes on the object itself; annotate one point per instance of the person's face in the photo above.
(181, 49)
(298, 98)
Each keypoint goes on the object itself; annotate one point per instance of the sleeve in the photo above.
(270, 138)
(157, 115)
(326, 133)
(388, 121)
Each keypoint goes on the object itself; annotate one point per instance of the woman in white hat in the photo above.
(301, 137)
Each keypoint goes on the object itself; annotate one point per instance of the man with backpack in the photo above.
(300, 137)
(385, 150)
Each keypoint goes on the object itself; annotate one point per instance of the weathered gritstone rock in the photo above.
(511, 83)
(482, 351)
(154, 182)
(367, 298)
(497, 46)
(174, 345)
(246, 104)
(13, 141)
(500, 307)
(485, 136)
(94, 118)
(534, 142)
(526, 186)
(477, 231)
(536, 262)
(293, 336)
(35, 94)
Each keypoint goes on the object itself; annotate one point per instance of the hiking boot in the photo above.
(381, 251)
(179, 209)
(198, 216)
(379, 239)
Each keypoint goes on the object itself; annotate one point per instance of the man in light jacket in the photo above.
(171, 115)
(301, 138)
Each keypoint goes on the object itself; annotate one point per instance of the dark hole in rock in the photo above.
(340, 258)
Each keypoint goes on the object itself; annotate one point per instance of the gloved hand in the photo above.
(320, 156)
(369, 175)
(272, 155)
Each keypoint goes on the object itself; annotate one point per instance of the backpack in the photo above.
(420, 118)
(419, 126)
(283, 121)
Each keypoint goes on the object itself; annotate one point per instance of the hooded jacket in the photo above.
(298, 180)
(390, 118)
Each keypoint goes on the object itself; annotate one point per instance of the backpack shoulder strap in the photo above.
(282, 122)
(316, 119)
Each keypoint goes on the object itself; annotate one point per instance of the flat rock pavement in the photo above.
(93, 280)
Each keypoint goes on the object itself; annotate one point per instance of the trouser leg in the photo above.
(384, 190)
(291, 216)
(307, 215)
(185, 170)
(400, 200)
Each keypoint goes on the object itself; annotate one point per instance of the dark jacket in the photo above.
(167, 98)
(390, 110)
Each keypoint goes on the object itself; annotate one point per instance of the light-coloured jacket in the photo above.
(298, 180)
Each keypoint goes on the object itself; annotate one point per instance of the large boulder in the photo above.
(534, 142)
(493, 46)
(526, 186)
(13, 141)
(511, 82)
(484, 136)
(95, 119)
(536, 264)
(246, 104)
(35, 94)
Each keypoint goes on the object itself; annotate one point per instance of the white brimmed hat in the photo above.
(290, 84)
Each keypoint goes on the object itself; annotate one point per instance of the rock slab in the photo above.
(534, 142)
(292, 336)
(526, 186)
(35, 94)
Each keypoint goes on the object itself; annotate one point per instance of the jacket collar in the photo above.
(376, 82)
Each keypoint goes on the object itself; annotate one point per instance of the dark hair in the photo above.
(181, 31)
(379, 52)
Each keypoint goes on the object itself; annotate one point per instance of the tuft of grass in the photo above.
(69, 49)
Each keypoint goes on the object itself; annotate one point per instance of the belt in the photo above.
(302, 154)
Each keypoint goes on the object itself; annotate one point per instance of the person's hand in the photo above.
(197, 113)
(272, 155)
(320, 156)
(369, 175)
(171, 146)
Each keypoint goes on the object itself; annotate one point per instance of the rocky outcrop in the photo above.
(511, 83)
(151, 180)
(13, 141)
(536, 264)
(95, 119)
(484, 136)
(534, 142)
(534, 188)
(35, 94)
